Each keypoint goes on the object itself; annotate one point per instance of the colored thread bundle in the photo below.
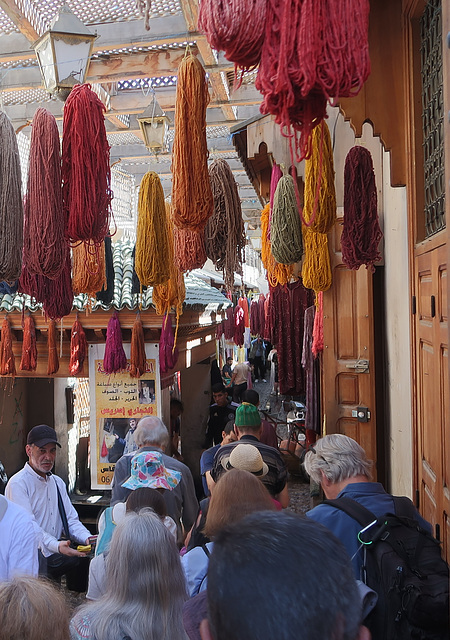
(228, 324)
(44, 230)
(317, 342)
(28, 361)
(53, 360)
(276, 273)
(168, 352)
(313, 52)
(239, 326)
(86, 174)
(286, 229)
(7, 360)
(138, 359)
(235, 27)
(78, 349)
(11, 210)
(316, 268)
(262, 313)
(192, 201)
(361, 232)
(115, 359)
(224, 233)
(152, 261)
(319, 210)
(189, 248)
(89, 268)
(58, 296)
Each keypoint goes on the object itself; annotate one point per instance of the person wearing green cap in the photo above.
(247, 426)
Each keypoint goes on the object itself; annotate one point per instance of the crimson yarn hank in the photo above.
(28, 361)
(235, 27)
(361, 233)
(86, 174)
(254, 318)
(78, 349)
(189, 249)
(44, 224)
(228, 324)
(317, 342)
(138, 359)
(7, 360)
(274, 179)
(53, 360)
(262, 314)
(11, 208)
(168, 352)
(58, 294)
(224, 233)
(115, 359)
(239, 326)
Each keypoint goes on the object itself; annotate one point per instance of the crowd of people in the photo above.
(237, 566)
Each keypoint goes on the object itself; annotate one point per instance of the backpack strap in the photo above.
(404, 508)
(353, 509)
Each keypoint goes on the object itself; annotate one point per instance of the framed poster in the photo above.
(117, 402)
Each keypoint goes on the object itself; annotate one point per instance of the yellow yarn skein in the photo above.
(316, 269)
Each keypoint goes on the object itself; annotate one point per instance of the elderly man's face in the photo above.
(41, 459)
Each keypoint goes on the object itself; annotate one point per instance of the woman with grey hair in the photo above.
(145, 586)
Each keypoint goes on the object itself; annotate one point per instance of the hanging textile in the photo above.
(316, 267)
(78, 349)
(262, 314)
(53, 360)
(286, 228)
(276, 273)
(106, 295)
(89, 268)
(114, 359)
(254, 318)
(317, 343)
(312, 373)
(7, 360)
(239, 326)
(189, 249)
(28, 361)
(137, 357)
(168, 352)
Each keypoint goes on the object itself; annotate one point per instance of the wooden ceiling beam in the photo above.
(19, 19)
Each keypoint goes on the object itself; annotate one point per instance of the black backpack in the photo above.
(403, 565)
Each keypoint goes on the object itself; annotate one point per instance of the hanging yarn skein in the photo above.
(286, 229)
(168, 352)
(28, 361)
(58, 294)
(192, 201)
(152, 244)
(44, 227)
(189, 249)
(85, 173)
(53, 360)
(316, 268)
(319, 209)
(11, 209)
(235, 27)
(361, 232)
(138, 359)
(224, 233)
(78, 349)
(313, 52)
(254, 318)
(276, 273)
(115, 359)
(89, 268)
(7, 360)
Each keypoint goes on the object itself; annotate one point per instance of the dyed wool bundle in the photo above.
(224, 233)
(78, 349)
(219, 330)
(115, 359)
(53, 360)
(313, 52)
(11, 210)
(317, 343)
(262, 314)
(361, 232)
(7, 360)
(192, 201)
(286, 230)
(58, 294)
(276, 273)
(28, 361)
(274, 180)
(228, 324)
(106, 295)
(254, 318)
(189, 249)
(138, 359)
(168, 352)
(89, 268)
(235, 27)
(319, 210)
(44, 229)
(152, 245)
(243, 302)
(316, 268)
(86, 174)
(239, 326)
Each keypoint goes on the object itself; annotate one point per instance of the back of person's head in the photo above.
(281, 576)
(151, 431)
(218, 388)
(251, 396)
(229, 427)
(338, 457)
(32, 609)
(247, 418)
(236, 494)
(145, 583)
(146, 497)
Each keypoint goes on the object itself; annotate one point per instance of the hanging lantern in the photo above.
(154, 124)
(63, 53)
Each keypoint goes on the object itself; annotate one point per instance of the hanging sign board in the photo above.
(117, 403)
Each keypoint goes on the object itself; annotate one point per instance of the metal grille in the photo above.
(81, 405)
(433, 117)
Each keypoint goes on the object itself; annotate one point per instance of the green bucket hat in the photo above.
(247, 415)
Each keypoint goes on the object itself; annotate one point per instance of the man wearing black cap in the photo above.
(45, 497)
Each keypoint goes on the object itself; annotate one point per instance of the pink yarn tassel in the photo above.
(317, 343)
(115, 359)
(168, 352)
